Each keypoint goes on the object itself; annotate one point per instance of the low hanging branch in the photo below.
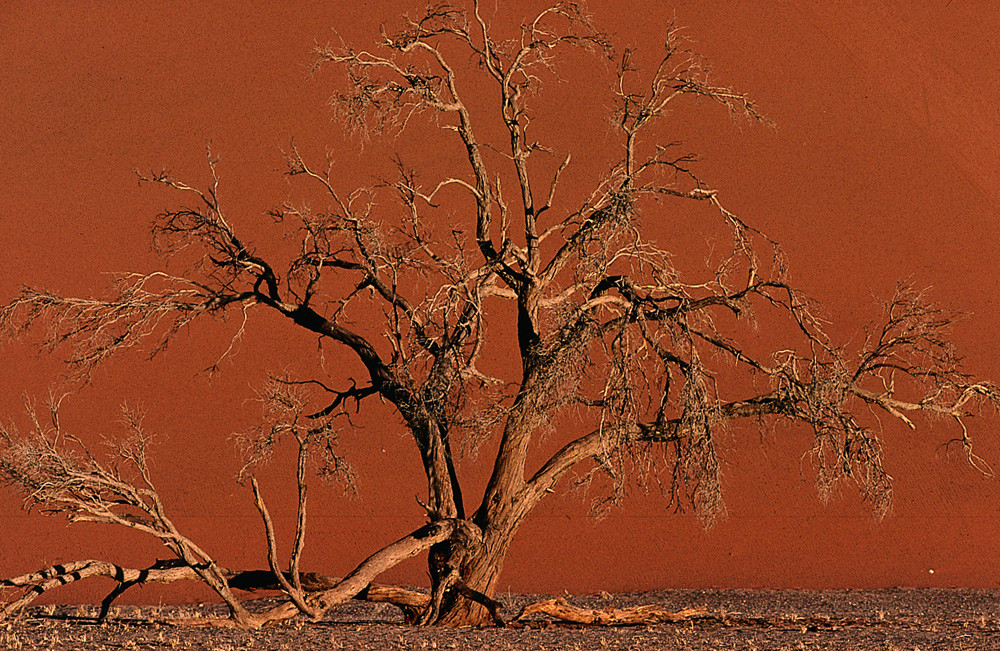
(72, 481)
(37, 583)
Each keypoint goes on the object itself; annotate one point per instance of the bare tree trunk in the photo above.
(468, 600)
(474, 569)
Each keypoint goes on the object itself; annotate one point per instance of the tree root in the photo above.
(562, 610)
(491, 605)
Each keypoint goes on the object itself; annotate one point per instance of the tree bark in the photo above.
(470, 603)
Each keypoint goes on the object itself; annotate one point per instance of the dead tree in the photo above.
(605, 328)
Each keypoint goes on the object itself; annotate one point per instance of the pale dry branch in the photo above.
(97, 329)
(560, 609)
(291, 588)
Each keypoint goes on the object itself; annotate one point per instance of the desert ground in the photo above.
(879, 620)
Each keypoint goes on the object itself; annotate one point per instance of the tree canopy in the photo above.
(423, 281)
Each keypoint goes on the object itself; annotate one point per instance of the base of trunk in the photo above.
(463, 612)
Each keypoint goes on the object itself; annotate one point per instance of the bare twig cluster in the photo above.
(59, 474)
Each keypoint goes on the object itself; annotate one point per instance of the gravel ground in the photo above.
(879, 620)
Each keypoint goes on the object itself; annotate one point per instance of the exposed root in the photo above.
(491, 605)
(411, 602)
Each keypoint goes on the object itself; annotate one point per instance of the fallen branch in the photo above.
(562, 610)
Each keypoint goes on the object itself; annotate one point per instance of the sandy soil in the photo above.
(880, 620)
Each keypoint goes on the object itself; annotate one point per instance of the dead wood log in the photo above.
(562, 610)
